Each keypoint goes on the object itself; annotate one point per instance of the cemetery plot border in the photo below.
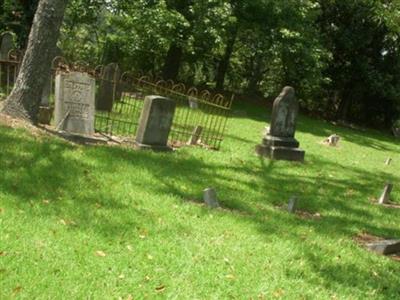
(200, 118)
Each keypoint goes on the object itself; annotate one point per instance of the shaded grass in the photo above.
(60, 203)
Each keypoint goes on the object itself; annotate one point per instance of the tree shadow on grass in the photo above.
(40, 169)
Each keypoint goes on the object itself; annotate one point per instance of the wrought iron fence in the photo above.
(200, 117)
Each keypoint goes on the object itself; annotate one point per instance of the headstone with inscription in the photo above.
(155, 123)
(109, 90)
(6, 45)
(279, 142)
(75, 103)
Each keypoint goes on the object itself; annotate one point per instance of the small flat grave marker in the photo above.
(292, 205)
(385, 247)
(210, 198)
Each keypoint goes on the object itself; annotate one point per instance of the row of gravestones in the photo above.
(75, 113)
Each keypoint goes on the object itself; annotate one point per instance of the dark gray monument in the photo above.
(155, 123)
(74, 107)
(279, 142)
(6, 45)
(109, 90)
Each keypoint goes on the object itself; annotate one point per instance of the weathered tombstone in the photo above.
(210, 198)
(109, 90)
(292, 205)
(6, 45)
(279, 143)
(155, 123)
(75, 100)
(385, 197)
(385, 247)
(332, 140)
(193, 103)
(194, 138)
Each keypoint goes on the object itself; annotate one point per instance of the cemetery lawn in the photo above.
(102, 222)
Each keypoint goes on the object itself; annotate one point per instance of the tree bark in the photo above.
(224, 62)
(24, 100)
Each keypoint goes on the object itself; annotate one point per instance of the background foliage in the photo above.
(341, 56)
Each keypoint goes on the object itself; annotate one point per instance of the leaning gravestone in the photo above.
(279, 142)
(155, 123)
(74, 107)
(385, 197)
(6, 45)
(109, 88)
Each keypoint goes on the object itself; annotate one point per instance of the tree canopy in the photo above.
(341, 56)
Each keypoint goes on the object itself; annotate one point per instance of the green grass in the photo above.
(61, 203)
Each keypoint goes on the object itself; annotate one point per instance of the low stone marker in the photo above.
(6, 45)
(385, 197)
(195, 137)
(332, 140)
(385, 247)
(388, 161)
(292, 205)
(193, 103)
(279, 142)
(210, 197)
(155, 123)
(74, 103)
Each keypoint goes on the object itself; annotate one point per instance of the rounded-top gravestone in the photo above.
(6, 45)
(284, 114)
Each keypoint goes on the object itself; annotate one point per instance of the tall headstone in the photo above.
(155, 123)
(109, 90)
(6, 45)
(279, 142)
(75, 103)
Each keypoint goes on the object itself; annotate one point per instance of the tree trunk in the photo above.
(224, 62)
(344, 106)
(24, 100)
(172, 62)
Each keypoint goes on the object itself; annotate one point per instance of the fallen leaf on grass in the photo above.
(17, 289)
(100, 253)
(230, 276)
(149, 257)
(129, 247)
(160, 289)
(46, 202)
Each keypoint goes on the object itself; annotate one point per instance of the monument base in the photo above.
(160, 148)
(279, 148)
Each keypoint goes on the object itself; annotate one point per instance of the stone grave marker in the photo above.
(109, 90)
(75, 103)
(6, 45)
(195, 137)
(155, 123)
(279, 142)
(332, 140)
(388, 161)
(210, 197)
(292, 205)
(385, 197)
(385, 247)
